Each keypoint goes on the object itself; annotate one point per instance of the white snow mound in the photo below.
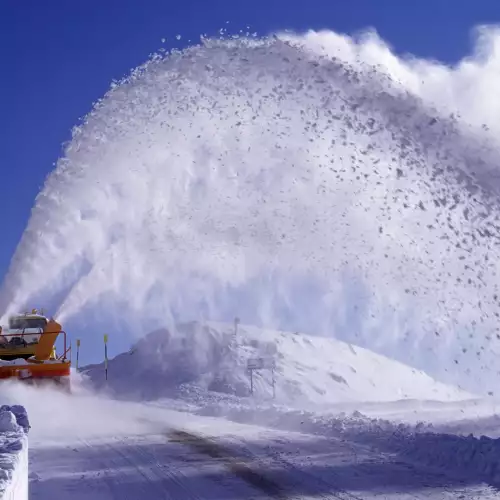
(14, 427)
(309, 369)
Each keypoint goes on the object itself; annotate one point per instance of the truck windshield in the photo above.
(27, 323)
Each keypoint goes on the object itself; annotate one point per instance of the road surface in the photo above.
(102, 450)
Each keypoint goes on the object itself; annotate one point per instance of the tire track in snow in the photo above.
(155, 477)
(93, 475)
(245, 468)
(235, 465)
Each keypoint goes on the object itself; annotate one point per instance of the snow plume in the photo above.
(309, 181)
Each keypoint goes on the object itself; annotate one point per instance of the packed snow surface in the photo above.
(97, 448)
(308, 369)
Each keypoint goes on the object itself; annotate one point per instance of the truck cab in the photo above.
(20, 338)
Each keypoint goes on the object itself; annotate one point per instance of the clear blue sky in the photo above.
(60, 56)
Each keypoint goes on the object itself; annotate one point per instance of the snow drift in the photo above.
(14, 427)
(309, 369)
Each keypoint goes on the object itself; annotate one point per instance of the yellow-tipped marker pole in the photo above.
(77, 352)
(106, 355)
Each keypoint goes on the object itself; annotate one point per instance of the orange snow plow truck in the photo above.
(28, 351)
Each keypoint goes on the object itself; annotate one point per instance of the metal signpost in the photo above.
(262, 364)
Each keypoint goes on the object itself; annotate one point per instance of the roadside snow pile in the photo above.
(466, 456)
(277, 416)
(309, 369)
(461, 456)
(14, 427)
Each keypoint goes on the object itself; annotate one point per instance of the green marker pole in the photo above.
(106, 355)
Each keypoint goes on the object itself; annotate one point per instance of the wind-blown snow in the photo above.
(310, 370)
(313, 182)
(14, 427)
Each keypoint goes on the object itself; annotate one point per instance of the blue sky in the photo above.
(59, 57)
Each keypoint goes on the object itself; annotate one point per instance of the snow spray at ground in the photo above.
(58, 418)
(304, 181)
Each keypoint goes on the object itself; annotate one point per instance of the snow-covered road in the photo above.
(131, 468)
(101, 449)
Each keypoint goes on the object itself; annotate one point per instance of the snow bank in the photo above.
(14, 427)
(309, 369)
(465, 457)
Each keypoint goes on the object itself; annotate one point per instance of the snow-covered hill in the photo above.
(309, 369)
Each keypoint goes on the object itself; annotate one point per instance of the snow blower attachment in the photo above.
(28, 353)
